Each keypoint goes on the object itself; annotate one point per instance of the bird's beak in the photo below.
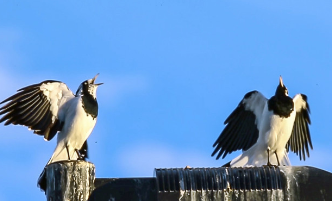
(280, 81)
(93, 80)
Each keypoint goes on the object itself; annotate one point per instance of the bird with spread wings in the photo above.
(266, 129)
(50, 107)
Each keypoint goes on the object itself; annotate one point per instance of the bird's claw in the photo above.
(80, 157)
(270, 165)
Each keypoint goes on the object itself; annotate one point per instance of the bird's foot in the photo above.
(270, 165)
(80, 157)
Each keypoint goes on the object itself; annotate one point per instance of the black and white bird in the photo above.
(265, 129)
(50, 107)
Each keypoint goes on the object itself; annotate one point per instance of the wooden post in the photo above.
(69, 180)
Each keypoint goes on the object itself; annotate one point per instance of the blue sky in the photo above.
(173, 71)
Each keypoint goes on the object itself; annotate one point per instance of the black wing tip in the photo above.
(305, 98)
(2, 119)
(27, 88)
(300, 139)
(214, 153)
(232, 137)
(221, 153)
(235, 129)
(35, 116)
(2, 102)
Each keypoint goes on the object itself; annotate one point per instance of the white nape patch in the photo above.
(54, 92)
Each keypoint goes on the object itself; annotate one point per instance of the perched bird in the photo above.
(265, 129)
(50, 107)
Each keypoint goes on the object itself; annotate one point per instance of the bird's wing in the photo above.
(300, 139)
(241, 131)
(37, 106)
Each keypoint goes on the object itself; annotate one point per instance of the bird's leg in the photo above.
(67, 151)
(277, 158)
(268, 157)
(80, 156)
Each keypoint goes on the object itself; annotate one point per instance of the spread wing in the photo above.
(241, 131)
(300, 140)
(37, 107)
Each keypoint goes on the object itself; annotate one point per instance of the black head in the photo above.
(281, 103)
(88, 87)
(281, 89)
(87, 90)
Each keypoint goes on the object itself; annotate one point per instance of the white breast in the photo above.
(76, 130)
(78, 125)
(275, 131)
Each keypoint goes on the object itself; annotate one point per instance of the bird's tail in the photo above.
(41, 183)
(285, 160)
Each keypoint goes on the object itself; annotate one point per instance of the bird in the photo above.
(266, 129)
(49, 108)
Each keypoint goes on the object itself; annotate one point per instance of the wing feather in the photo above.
(41, 112)
(300, 139)
(33, 112)
(37, 106)
(30, 111)
(241, 130)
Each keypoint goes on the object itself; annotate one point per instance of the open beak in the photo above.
(93, 80)
(280, 81)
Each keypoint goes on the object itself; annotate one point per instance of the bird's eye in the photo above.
(85, 83)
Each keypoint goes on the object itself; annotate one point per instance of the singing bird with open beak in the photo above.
(50, 107)
(265, 129)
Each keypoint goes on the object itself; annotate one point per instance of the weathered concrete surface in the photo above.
(258, 184)
(69, 180)
(75, 181)
(122, 189)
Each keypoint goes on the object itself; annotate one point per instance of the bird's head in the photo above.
(88, 87)
(281, 89)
